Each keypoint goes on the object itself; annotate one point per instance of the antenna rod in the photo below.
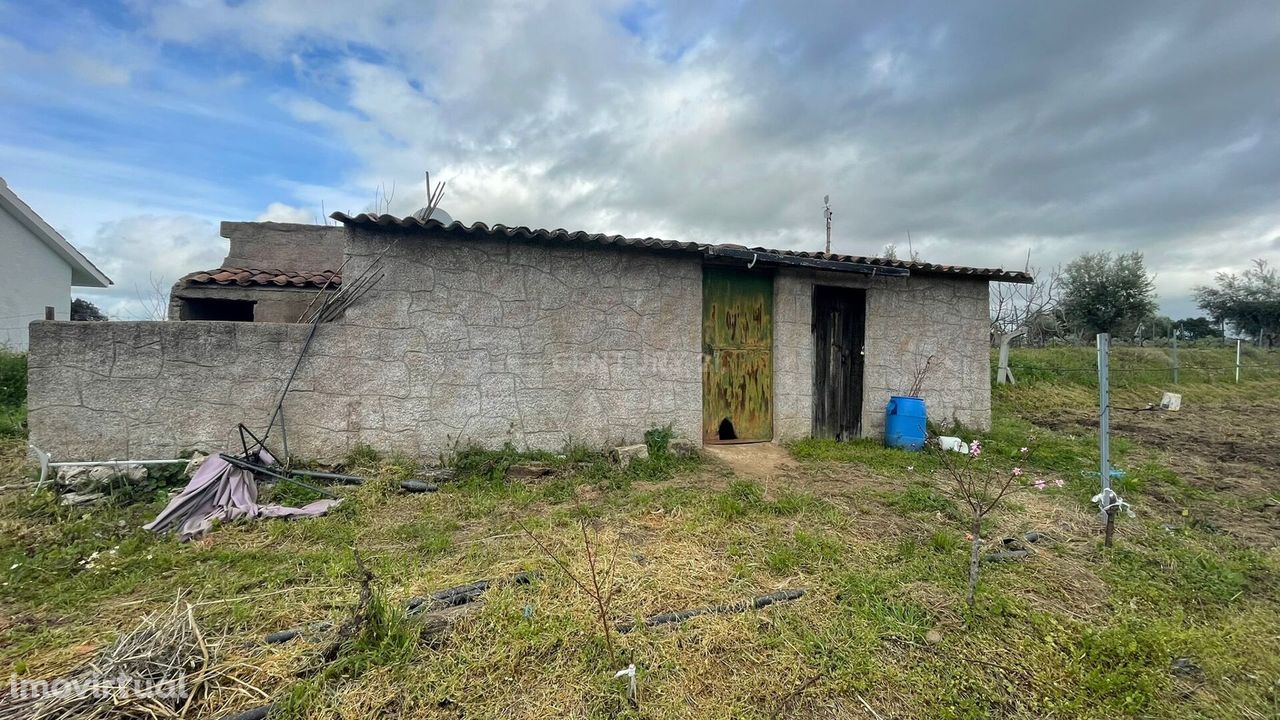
(826, 204)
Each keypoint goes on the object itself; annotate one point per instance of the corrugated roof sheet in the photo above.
(479, 229)
(267, 278)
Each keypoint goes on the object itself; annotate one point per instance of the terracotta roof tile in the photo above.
(246, 277)
(831, 261)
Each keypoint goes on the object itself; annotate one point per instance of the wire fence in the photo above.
(1146, 365)
(1232, 368)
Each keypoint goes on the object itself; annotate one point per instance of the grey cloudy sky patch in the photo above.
(987, 130)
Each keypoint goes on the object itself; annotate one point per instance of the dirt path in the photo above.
(762, 461)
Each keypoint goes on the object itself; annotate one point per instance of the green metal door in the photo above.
(737, 355)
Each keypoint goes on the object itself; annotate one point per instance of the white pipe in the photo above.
(92, 463)
(45, 463)
(1237, 361)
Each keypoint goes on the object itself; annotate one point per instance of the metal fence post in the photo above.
(1104, 434)
(1174, 334)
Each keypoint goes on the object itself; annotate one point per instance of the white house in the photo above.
(38, 267)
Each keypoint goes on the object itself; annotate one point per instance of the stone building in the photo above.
(488, 335)
(271, 273)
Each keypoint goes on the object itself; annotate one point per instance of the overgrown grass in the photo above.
(1137, 366)
(13, 393)
(867, 452)
(1074, 631)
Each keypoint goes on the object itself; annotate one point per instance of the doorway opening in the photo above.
(839, 329)
(217, 309)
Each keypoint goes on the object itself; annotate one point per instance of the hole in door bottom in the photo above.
(726, 431)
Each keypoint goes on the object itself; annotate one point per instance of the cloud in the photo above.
(144, 255)
(98, 71)
(280, 212)
(985, 131)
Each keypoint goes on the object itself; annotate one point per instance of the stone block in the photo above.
(624, 455)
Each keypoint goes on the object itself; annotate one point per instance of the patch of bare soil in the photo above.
(1222, 449)
(761, 461)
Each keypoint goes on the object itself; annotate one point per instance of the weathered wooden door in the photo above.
(737, 355)
(839, 320)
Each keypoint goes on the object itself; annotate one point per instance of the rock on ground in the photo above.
(626, 454)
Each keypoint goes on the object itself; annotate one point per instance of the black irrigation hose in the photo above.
(440, 599)
(742, 606)
(463, 594)
(338, 478)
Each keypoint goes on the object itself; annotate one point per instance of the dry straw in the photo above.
(158, 670)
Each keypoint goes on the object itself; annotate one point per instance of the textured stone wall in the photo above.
(536, 345)
(488, 342)
(462, 342)
(150, 389)
(908, 319)
(282, 246)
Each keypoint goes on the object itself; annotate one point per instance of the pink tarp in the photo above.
(221, 491)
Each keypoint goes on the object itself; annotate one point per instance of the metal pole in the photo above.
(826, 211)
(116, 463)
(1237, 360)
(1174, 333)
(1104, 432)
(46, 463)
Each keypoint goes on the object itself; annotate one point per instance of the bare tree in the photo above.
(1035, 306)
(919, 373)
(154, 299)
(599, 582)
(891, 252)
(382, 199)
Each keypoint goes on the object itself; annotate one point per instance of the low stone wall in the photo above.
(151, 389)
(908, 320)
(461, 343)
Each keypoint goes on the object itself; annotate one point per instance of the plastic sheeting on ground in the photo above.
(220, 491)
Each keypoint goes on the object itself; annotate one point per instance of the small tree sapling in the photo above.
(979, 487)
(599, 583)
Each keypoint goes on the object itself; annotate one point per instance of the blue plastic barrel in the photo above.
(904, 423)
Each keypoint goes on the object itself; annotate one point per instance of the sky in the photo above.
(988, 133)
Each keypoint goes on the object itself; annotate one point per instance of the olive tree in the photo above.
(1105, 293)
(1249, 301)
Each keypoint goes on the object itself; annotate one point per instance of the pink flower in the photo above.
(1024, 451)
(1039, 484)
(1017, 472)
(1059, 482)
(975, 449)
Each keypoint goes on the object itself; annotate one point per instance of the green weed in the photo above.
(869, 595)
(918, 497)
(945, 542)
